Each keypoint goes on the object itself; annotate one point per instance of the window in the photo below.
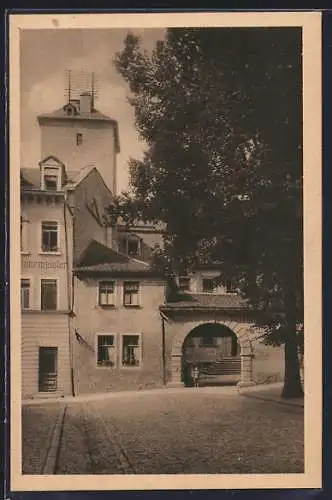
(48, 295)
(50, 232)
(106, 350)
(131, 293)
(106, 293)
(51, 182)
(132, 247)
(184, 284)
(25, 294)
(208, 285)
(131, 351)
(51, 179)
(79, 139)
(24, 234)
(230, 286)
(207, 341)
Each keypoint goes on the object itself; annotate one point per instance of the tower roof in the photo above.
(77, 115)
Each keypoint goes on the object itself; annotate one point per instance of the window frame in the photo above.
(30, 279)
(50, 252)
(24, 235)
(208, 291)
(114, 346)
(47, 178)
(121, 351)
(79, 139)
(106, 306)
(45, 172)
(139, 302)
(49, 278)
(135, 240)
(230, 287)
(188, 278)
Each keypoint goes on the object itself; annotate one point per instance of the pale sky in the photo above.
(46, 54)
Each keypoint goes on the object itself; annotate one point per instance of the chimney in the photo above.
(86, 103)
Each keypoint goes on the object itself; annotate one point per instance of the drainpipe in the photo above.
(163, 341)
(69, 299)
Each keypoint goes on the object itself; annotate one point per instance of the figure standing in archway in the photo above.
(196, 375)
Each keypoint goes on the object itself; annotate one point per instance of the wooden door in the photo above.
(48, 369)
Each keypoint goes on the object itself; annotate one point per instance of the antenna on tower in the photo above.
(68, 85)
(79, 82)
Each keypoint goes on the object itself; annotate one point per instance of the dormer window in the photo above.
(51, 182)
(133, 247)
(51, 179)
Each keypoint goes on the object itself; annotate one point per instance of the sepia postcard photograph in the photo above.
(165, 260)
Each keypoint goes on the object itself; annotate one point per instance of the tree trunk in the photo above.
(292, 383)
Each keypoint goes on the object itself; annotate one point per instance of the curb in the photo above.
(275, 400)
(121, 394)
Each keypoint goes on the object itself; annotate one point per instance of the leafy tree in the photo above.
(220, 112)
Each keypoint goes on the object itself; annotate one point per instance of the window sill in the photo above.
(39, 311)
(49, 253)
(131, 307)
(106, 306)
(131, 368)
(24, 252)
(106, 367)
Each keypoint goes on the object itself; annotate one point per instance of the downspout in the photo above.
(69, 298)
(163, 343)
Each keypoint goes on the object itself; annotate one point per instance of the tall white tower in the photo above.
(80, 135)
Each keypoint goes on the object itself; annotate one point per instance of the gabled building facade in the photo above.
(62, 208)
(117, 322)
(96, 313)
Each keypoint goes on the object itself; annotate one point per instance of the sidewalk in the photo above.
(225, 390)
(270, 392)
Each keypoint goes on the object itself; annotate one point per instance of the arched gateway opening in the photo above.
(215, 350)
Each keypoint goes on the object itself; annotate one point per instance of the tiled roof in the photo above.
(205, 301)
(117, 268)
(98, 258)
(61, 113)
(30, 178)
(77, 176)
(93, 115)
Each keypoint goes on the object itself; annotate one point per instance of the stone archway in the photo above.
(239, 329)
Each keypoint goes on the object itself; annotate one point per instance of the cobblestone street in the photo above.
(194, 431)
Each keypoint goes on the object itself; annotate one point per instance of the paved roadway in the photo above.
(191, 431)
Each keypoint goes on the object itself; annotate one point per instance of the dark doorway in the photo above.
(48, 369)
(215, 350)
